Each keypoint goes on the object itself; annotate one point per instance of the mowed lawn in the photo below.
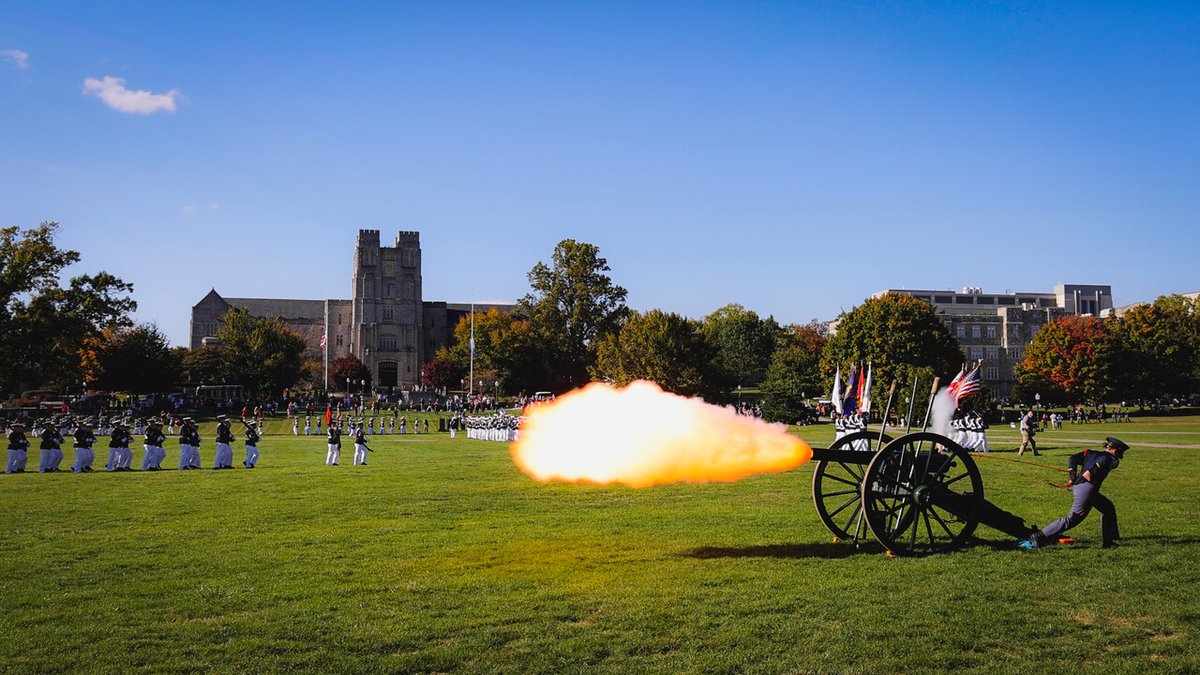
(441, 556)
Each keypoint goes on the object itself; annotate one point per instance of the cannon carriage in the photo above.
(918, 494)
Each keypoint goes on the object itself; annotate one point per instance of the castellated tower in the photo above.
(386, 301)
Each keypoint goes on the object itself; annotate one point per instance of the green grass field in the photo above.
(441, 556)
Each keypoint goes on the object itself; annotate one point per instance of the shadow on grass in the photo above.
(826, 550)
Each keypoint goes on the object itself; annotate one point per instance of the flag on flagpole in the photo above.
(324, 340)
(328, 414)
(864, 397)
(952, 388)
(850, 402)
(970, 384)
(836, 396)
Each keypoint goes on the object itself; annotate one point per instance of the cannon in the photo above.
(918, 494)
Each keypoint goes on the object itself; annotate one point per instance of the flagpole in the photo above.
(326, 350)
(471, 381)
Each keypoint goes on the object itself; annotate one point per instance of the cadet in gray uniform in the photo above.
(1088, 469)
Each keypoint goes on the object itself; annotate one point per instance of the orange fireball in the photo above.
(641, 436)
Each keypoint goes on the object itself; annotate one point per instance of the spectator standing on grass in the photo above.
(1088, 469)
(1028, 431)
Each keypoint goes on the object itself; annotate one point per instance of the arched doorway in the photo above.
(387, 375)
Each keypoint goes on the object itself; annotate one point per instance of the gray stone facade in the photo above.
(995, 328)
(385, 323)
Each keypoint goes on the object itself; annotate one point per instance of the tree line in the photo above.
(573, 327)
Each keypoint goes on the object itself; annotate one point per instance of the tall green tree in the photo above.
(45, 323)
(573, 303)
(1160, 345)
(206, 365)
(506, 345)
(262, 354)
(1071, 359)
(137, 360)
(795, 372)
(664, 348)
(901, 336)
(742, 343)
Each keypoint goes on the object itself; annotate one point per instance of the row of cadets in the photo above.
(18, 446)
(969, 431)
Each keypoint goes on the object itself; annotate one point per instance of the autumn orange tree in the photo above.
(1072, 359)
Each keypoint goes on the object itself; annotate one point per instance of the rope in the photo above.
(989, 455)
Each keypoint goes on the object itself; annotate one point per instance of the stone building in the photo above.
(995, 328)
(385, 323)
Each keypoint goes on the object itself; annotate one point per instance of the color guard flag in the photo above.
(850, 403)
(328, 414)
(864, 395)
(970, 384)
(324, 340)
(836, 396)
(952, 388)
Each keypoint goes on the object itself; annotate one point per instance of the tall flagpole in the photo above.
(471, 382)
(326, 341)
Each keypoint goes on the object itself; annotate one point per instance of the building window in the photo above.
(338, 342)
(964, 300)
(991, 373)
(961, 331)
(387, 343)
(990, 352)
(388, 314)
(1006, 300)
(339, 319)
(390, 290)
(975, 331)
(991, 331)
(945, 299)
(976, 353)
(1014, 352)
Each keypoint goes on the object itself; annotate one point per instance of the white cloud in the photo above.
(19, 57)
(112, 91)
(193, 209)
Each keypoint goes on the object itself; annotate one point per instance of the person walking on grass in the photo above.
(1087, 469)
(18, 448)
(1028, 431)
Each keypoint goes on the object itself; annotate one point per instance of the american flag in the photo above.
(969, 384)
(324, 340)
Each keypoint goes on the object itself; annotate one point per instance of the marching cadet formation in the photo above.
(970, 431)
(52, 432)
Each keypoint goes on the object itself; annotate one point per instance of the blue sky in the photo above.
(792, 157)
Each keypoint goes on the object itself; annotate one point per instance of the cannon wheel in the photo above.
(922, 494)
(837, 486)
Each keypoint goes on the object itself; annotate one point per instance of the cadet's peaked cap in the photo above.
(1117, 444)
